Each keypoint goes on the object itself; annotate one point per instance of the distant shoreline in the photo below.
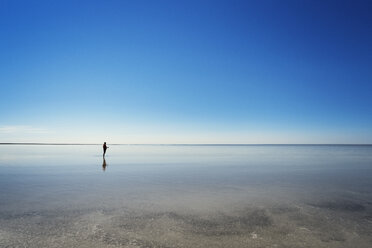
(92, 144)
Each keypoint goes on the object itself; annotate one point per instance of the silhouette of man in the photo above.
(104, 148)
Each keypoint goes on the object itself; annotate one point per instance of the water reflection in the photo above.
(104, 165)
(189, 196)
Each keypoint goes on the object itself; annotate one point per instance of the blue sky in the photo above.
(186, 71)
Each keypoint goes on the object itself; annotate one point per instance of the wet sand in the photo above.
(186, 197)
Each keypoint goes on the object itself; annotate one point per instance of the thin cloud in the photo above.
(19, 129)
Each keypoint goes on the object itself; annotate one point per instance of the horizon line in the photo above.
(194, 144)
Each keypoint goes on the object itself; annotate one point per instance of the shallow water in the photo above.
(185, 196)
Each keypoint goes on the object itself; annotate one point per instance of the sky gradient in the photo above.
(186, 71)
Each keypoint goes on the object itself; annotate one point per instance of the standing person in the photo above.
(104, 148)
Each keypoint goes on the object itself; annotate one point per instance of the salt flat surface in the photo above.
(185, 196)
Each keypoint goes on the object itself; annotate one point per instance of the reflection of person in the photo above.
(104, 148)
(104, 165)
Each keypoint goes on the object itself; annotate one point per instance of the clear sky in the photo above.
(186, 71)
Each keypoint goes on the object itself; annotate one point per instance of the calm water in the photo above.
(186, 196)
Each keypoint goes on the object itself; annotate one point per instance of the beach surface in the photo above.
(186, 196)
